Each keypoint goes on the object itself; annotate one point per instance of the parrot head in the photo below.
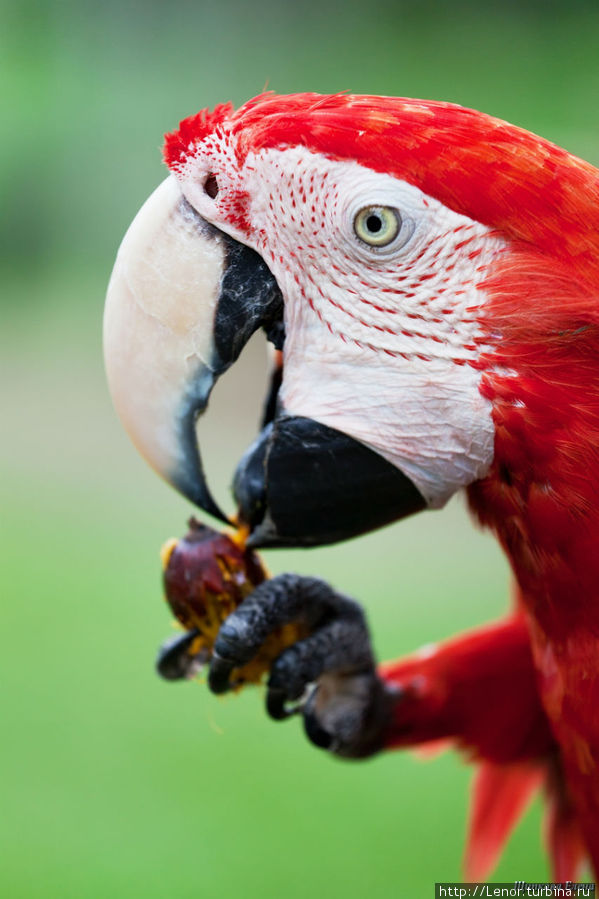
(407, 260)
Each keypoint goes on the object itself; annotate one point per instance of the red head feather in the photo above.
(480, 166)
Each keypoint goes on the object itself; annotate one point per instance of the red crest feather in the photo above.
(179, 144)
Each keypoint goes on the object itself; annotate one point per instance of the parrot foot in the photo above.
(329, 677)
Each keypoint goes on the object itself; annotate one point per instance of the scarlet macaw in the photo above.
(429, 274)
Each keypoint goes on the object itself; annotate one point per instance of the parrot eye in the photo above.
(377, 225)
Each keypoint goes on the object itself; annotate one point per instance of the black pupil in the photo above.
(374, 223)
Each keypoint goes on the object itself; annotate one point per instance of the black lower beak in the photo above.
(305, 484)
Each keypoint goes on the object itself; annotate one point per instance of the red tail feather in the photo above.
(563, 835)
(500, 796)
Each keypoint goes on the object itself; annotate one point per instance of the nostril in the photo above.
(211, 186)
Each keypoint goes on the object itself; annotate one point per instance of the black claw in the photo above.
(315, 732)
(175, 662)
(276, 705)
(219, 674)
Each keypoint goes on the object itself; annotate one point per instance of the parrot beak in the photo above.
(183, 300)
(302, 483)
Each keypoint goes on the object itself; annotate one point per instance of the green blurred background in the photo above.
(114, 783)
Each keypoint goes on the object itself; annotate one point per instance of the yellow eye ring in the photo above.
(377, 226)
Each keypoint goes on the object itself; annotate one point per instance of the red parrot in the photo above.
(430, 275)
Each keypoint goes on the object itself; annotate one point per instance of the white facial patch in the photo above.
(381, 341)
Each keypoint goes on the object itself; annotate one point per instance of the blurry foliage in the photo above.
(115, 784)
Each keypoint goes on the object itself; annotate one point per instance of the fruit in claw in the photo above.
(206, 575)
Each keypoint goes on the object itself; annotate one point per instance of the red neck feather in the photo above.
(542, 494)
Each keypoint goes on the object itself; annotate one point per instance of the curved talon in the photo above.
(219, 674)
(314, 731)
(174, 660)
(276, 704)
